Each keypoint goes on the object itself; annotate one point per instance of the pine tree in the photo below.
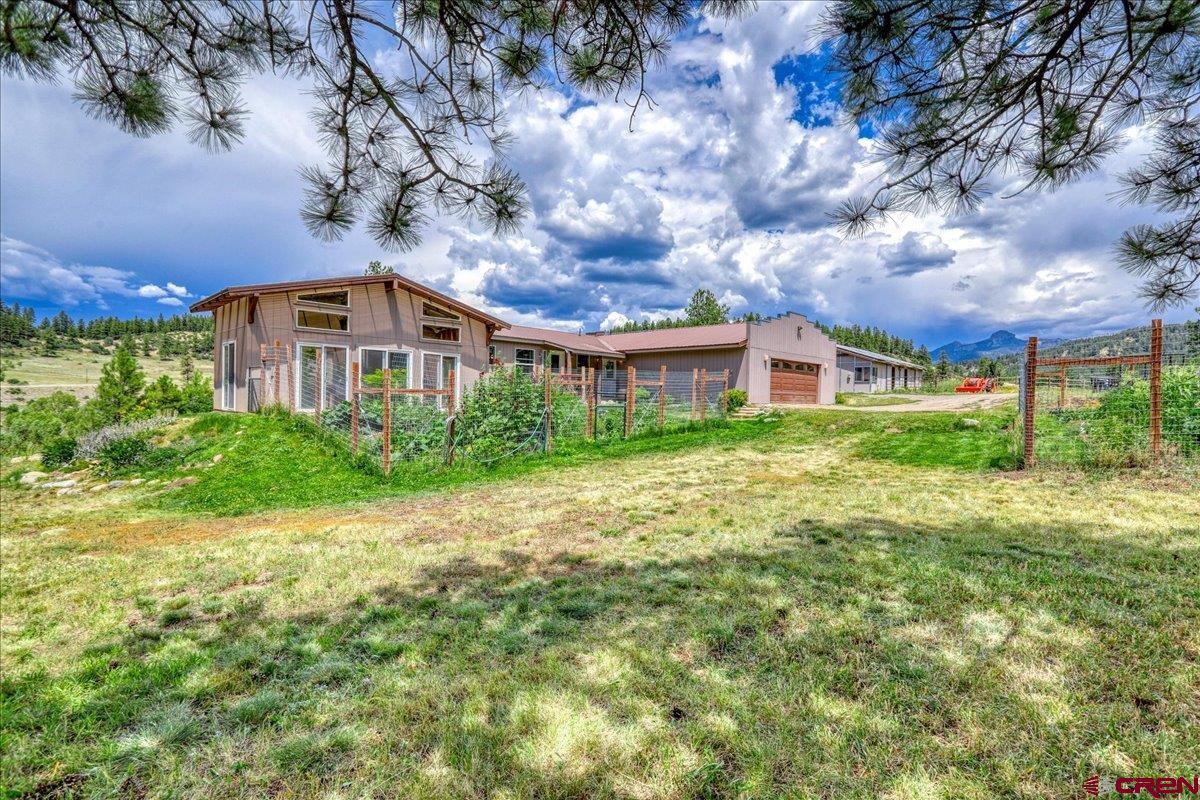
(704, 309)
(379, 268)
(186, 366)
(120, 388)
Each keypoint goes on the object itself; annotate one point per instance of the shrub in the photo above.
(90, 444)
(735, 399)
(197, 395)
(500, 414)
(58, 452)
(162, 395)
(40, 421)
(123, 453)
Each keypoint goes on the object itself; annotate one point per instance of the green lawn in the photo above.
(858, 400)
(828, 604)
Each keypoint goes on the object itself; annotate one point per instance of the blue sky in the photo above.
(724, 184)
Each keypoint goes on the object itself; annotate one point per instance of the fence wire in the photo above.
(1101, 414)
(486, 425)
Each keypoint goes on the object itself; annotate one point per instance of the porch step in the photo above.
(750, 410)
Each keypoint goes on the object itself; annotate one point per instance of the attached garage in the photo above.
(795, 382)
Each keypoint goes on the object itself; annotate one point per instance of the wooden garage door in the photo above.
(794, 382)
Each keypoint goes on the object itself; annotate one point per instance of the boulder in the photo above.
(64, 484)
(218, 458)
(69, 490)
(115, 484)
(967, 422)
(188, 481)
(138, 481)
(32, 477)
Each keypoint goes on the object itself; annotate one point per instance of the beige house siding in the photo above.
(378, 318)
(684, 361)
(790, 337)
(888, 376)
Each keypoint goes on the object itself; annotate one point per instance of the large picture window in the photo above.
(228, 375)
(313, 320)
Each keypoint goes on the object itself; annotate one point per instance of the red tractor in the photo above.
(976, 385)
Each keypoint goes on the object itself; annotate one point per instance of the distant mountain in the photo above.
(1000, 343)
(1122, 343)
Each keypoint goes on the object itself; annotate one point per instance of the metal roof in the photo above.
(700, 337)
(231, 293)
(548, 337)
(871, 354)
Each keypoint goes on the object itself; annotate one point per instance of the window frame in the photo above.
(229, 367)
(610, 368)
(456, 342)
(870, 369)
(517, 362)
(453, 316)
(300, 371)
(321, 303)
(388, 348)
(299, 327)
(458, 382)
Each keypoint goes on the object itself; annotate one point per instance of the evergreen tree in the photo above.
(120, 388)
(379, 268)
(162, 395)
(704, 309)
(186, 366)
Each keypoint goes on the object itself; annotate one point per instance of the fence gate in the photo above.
(1105, 409)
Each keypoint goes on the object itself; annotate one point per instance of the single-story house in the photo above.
(785, 359)
(528, 348)
(866, 371)
(389, 321)
(377, 321)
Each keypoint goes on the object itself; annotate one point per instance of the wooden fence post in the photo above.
(278, 399)
(387, 421)
(589, 398)
(548, 377)
(725, 392)
(1062, 387)
(630, 398)
(354, 407)
(451, 424)
(1030, 395)
(703, 394)
(662, 395)
(291, 387)
(320, 375)
(695, 377)
(1156, 352)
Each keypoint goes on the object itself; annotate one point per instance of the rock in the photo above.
(16, 459)
(69, 490)
(139, 481)
(115, 484)
(67, 484)
(99, 487)
(30, 478)
(218, 458)
(188, 481)
(967, 422)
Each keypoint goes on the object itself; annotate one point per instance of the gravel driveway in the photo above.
(924, 402)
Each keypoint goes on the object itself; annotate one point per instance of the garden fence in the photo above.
(1133, 408)
(378, 416)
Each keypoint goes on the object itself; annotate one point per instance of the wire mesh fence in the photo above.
(507, 413)
(1113, 410)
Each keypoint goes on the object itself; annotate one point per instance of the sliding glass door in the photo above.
(324, 372)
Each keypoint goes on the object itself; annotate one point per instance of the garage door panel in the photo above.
(794, 382)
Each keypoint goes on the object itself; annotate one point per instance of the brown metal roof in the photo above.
(732, 334)
(231, 293)
(548, 337)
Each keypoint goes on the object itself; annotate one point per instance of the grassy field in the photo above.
(75, 371)
(824, 604)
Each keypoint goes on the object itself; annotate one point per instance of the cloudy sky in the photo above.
(724, 184)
